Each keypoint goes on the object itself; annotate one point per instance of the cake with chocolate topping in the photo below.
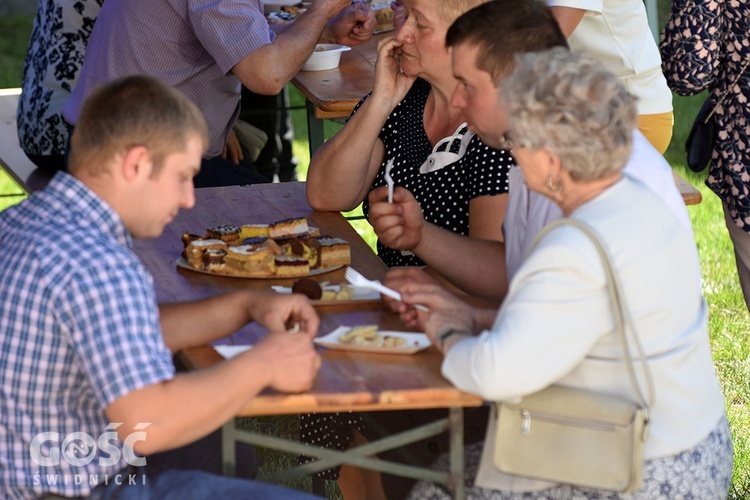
(213, 260)
(227, 233)
(333, 252)
(195, 249)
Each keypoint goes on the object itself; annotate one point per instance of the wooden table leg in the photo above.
(228, 439)
(456, 450)
(314, 128)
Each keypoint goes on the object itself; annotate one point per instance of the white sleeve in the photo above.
(556, 311)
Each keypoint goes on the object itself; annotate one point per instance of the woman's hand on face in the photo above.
(399, 225)
(391, 85)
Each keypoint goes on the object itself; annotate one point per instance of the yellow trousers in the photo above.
(657, 129)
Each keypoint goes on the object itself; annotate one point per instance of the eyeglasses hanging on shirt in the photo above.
(448, 150)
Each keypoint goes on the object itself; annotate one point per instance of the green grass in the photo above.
(729, 322)
(14, 40)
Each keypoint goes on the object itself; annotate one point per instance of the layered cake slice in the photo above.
(334, 252)
(195, 249)
(291, 266)
(289, 228)
(254, 230)
(250, 260)
(307, 248)
(213, 260)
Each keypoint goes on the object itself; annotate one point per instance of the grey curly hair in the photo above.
(570, 104)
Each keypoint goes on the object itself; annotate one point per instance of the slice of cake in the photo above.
(249, 260)
(291, 265)
(262, 241)
(334, 252)
(228, 233)
(195, 249)
(289, 228)
(307, 248)
(254, 230)
(213, 260)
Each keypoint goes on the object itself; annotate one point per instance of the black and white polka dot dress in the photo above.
(443, 194)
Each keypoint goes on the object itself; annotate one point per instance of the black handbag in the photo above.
(700, 141)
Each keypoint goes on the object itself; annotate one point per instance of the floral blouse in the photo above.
(58, 43)
(704, 46)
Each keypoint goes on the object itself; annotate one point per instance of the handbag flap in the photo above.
(576, 404)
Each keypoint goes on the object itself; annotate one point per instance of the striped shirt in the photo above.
(191, 45)
(79, 328)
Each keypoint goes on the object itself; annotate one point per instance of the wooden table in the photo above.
(346, 381)
(334, 93)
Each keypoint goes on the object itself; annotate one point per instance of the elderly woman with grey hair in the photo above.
(571, 125)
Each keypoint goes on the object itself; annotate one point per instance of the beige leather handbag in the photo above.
(575, 436)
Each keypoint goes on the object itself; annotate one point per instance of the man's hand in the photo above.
(232, 149)
(288, 360)
(353, 25)
(399, 225)
(396, 279)
(282, 313)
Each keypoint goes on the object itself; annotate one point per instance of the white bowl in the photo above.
(325, 56)
(274, 5)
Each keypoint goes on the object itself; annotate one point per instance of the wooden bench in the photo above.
(12, 158)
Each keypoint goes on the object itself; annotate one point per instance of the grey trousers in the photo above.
(741, 240)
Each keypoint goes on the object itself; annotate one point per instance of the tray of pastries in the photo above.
(288, 248)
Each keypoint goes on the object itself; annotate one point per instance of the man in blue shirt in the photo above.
(86, 352)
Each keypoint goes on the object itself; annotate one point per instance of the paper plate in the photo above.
(415, 342)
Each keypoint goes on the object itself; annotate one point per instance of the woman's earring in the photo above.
(555, 188)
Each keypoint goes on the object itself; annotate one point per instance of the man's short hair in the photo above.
(133, 111)
(503, 28)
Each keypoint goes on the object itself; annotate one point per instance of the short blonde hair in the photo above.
(570, 104)
(129, 112)
(450, 10)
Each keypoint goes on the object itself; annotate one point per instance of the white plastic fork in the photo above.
(355, 278)
(389, 179)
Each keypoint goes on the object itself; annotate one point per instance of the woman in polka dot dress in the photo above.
(460, 183)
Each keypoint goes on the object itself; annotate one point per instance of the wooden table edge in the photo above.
(203, 357)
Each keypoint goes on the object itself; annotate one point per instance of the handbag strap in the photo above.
(619, 306)
(726, 91)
